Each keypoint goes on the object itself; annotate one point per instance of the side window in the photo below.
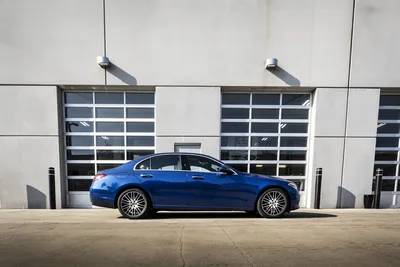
(144, 165)
(170, 162)
(202, 164)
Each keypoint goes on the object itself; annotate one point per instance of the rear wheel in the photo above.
(273, 203)
(134, 204)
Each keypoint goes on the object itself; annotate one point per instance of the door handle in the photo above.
(197, 177)
(146, 176)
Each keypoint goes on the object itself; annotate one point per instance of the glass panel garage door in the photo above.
(104, 130)
(266, 134)
(387, 149)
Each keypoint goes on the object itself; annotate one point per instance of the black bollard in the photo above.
(378, 188)
(52, 189)
(318, 182)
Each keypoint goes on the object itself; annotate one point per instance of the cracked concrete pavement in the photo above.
(98, 237)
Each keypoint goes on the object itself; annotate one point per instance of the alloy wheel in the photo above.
(133, 203)
(273, 203)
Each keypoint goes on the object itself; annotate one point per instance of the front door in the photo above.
(209, 188)
(163, 178)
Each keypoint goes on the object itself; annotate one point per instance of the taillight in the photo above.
(99, 176)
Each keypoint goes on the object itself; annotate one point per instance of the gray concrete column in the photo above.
(343, 131)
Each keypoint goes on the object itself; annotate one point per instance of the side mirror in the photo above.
(226, 170)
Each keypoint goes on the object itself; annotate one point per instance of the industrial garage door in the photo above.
(103, 130)
(267, 134)
(387, 149)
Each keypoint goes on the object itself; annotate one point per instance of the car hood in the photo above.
(252, 175)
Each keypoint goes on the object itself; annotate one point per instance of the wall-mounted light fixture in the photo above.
(271, 63)
(103, 61)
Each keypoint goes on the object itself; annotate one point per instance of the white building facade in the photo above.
(191, 76)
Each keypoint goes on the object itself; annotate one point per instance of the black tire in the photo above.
(273, 203)
(133, 203)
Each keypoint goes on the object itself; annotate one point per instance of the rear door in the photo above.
(163, 178)
(209, 188)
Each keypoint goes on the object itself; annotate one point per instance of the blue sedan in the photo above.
(189, 182)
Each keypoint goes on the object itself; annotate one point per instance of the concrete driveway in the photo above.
(98, 237)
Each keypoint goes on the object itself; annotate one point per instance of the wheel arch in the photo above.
(131, 186)
(271, 187)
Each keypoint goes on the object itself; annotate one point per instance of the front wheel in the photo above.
(133, 204)
(273, 203)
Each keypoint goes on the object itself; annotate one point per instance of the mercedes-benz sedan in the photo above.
(189, 182)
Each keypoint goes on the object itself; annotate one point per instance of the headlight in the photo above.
(291, 184)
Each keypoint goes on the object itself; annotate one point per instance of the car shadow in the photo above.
(234, 215)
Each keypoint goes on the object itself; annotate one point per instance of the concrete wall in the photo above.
(51, 41)
(29, 142)
(375, 44)
(186, 115)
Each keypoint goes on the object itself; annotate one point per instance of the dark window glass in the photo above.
(264, 141)
(294, 127)
(266, 99)
(167, 162)
(387, 169)
(134, 154)
(110, 141)
(140, 127)
(263, 155)
(78, 154)
(385, 155)
(300, 183)
(265, 169)
(387, 142)
(388, 128)
(106, 166)
(78, 112)
(140, 140)
(78, 126)
(293, 141)
(389, 100)
(265, 113)
(109, 112)
(292, 155)
(239, 167)
(79, 184)
(292, 169)
(79, 140)
(235, 99)
(293, 99)
(110, 154)
(109, 126)
(79, 169)
(234, 141)
(201, 164)
(140, 113)
(234, 154)
(109, 98)
(389, 114)
(295, 114)
(79, 98)
(235, 127)
(144, 165)
(264, 127)
(235, 113)
(140, 98)
(387, 185)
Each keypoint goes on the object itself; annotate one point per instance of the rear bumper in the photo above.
(101, 200)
